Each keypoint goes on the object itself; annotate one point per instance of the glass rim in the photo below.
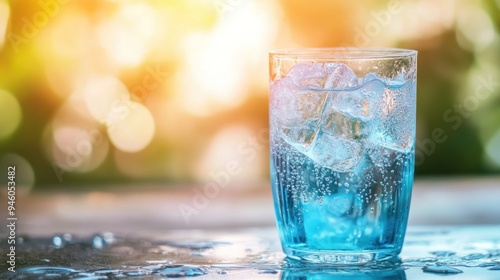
(344, 53)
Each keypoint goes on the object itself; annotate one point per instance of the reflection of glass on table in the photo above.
(469, 252)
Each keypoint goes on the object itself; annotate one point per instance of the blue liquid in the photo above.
(342, 161)
(341, 217)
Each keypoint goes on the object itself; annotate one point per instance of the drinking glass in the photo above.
(342, 135)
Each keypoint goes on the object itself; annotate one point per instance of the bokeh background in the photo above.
(101, 92)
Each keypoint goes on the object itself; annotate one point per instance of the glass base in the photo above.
(382, 258)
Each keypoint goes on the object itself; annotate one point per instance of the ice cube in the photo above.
(394, 127)
(300, 136)
(340, 140)
(307, 75)
(341, 125)
(363, 102)
(316, 112)
(297, 112)
(323, 76)
(335, 152)
(340, 76)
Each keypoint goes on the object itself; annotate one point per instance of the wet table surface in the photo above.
(127, 232)
(430, 252)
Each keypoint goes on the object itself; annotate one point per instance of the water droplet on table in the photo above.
(487, 264)
(471, 257)
(20, 240)
(95, 277)
(494, 252)
(443, 253)
(61, 240)
(182, 271)
(49, 271)
(136, 273)
(107, 272)
(268, 271)
(441, 269)
(196, 245)
(103, 239)
(419, 261)
(198, 254)
(152, 268)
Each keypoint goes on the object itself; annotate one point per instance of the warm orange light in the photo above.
(127, 36)
(76, 149)
(220, 66)
(78, 142)
(4, 21)
(66, 45)
(236, 152)
(104, 96)
(133, 129)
